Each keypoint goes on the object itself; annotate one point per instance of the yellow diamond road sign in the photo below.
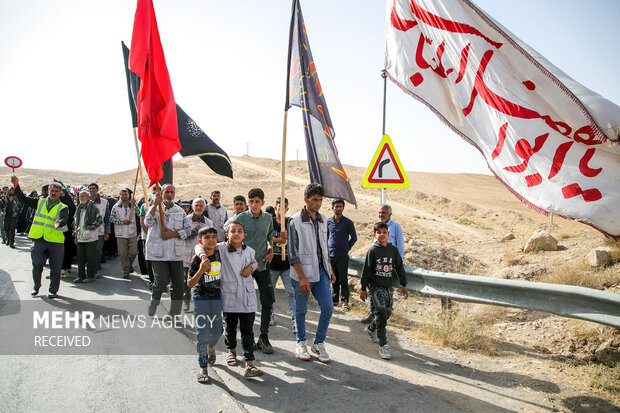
(385, 170)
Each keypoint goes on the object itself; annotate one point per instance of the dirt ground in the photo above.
(452, 223)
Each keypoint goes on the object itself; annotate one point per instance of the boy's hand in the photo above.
(363, 295)
(205, 265)
(247, 271)
(405, 292)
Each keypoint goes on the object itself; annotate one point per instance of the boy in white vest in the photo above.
(123, 216)
(311, 270)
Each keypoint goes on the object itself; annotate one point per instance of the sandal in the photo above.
(231, 359)
(211, 353)
(203, 376)
(252, 371)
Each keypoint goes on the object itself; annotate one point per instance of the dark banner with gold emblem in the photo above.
(304, 90)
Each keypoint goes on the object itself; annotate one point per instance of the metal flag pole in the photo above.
(384, 76)
(282, 197)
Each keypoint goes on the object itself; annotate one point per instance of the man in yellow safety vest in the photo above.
(47, 234)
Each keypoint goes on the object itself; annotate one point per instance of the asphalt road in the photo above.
(418, 379)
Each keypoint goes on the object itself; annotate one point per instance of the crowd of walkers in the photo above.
(194, 250)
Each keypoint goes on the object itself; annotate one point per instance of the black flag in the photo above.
(194, 142)
(304, 90)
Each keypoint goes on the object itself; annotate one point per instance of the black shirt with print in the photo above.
(209, 283)
(382, 263)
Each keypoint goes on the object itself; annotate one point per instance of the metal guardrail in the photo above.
(564, 300)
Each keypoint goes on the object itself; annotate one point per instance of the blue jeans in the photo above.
(321, 290)
(288, 287)
(209, 329)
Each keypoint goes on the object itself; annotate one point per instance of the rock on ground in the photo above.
(599, 257)
(541, 241)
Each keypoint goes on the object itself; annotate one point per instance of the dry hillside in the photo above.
(452, 223)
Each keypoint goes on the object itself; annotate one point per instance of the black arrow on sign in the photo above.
(381, 165)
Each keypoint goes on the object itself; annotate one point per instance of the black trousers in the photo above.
(246, 326)
(40, 252)
(142, 260)
(267, 298)
(383, 299)
(340, 266)
(10, 223)
(70, 250)
(168, 272)
(87, 254)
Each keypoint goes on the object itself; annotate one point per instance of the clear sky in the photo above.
(63, 96)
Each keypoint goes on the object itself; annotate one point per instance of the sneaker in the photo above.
(52, 295)
(372, 334)
(384, 352)
(186, 306)
(367, 319)
(78, 280)
(345, 306)
(89, 279)
(35, 292)
(272, 321)
(126, 276)
(301, 351)
(63, 274)
(319, 349)
(264, 345)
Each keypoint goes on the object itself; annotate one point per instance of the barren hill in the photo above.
(452, 222)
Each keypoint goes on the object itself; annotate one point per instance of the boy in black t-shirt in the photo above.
(382, 262)
(279, 266)
(205, 278)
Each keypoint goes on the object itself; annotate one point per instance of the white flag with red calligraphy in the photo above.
(546, 137)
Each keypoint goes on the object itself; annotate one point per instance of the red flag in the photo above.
(157, 113)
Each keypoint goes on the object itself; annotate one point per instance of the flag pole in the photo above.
(282, 197)
(146, 198)
(286, 107)
(384, 76)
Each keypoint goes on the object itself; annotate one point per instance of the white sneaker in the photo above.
(372, 334)
(319, 349)
(384, 352)
(301, 351)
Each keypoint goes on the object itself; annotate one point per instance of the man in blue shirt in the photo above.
(396, 233)
(342, 237)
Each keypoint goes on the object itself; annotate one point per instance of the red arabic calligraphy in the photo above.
(428, 57)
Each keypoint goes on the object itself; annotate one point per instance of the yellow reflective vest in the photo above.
(43, 223)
